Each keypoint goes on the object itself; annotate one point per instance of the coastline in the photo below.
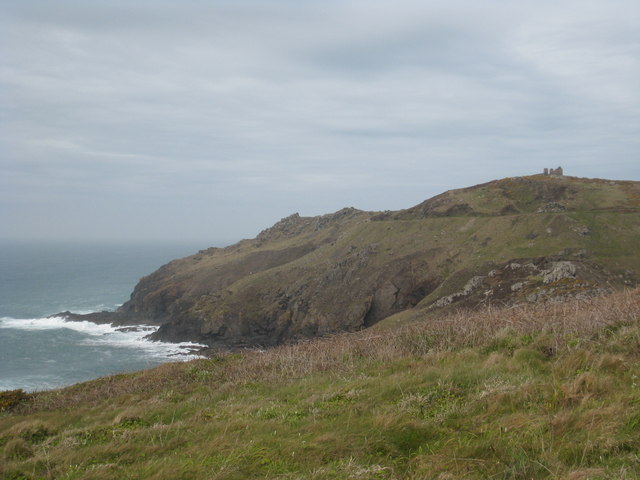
(40, 354)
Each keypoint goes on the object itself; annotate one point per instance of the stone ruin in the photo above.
(556, 172)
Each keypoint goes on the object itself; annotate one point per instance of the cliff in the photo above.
(511, 241)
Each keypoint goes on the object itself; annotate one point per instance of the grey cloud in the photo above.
(242, 112)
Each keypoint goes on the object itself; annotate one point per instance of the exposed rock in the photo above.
(541, 279)
(287, 225)
(582, 230)
(469, 287)
(552, 207)
(558, 271)
(310, 276)
(472, 284)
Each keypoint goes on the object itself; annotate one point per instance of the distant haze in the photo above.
(194, 120)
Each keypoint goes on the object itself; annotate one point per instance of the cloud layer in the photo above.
(211, 120)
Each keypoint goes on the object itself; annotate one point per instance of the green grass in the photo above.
(319, 275)
(536, 392)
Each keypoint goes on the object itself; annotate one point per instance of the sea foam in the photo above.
(105, 335)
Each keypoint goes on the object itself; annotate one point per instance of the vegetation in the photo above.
(312, 276)
(526, 392)
(11, 398)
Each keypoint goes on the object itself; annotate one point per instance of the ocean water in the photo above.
(39, 279)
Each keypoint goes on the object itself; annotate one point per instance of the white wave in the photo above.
(136, 339)
(55, 323)
(106, 335)
(86, 311)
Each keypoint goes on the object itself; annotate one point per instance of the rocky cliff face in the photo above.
(515, 240)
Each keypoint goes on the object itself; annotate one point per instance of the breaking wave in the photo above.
(105, 335)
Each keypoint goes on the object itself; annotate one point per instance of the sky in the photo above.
(211, 120)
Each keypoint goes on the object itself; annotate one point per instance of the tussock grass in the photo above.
(546, 391)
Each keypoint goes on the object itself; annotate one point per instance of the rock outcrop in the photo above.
(524, 239)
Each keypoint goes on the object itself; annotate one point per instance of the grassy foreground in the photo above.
(527, 392)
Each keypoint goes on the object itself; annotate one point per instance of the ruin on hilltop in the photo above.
(556, 172)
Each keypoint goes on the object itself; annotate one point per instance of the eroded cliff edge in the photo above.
(515, 240)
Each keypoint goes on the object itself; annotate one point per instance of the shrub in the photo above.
(11, 398)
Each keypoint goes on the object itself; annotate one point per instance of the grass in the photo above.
(320, 275)
(547, 391)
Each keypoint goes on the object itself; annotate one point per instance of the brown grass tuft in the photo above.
(561, 325)
(16, 449)
(585, 474)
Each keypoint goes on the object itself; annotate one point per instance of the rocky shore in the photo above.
(518, 240)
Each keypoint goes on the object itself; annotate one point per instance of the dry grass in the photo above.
(538, 392)
(562, 325)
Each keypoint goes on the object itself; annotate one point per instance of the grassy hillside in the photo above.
(312, 276)
(526, 392)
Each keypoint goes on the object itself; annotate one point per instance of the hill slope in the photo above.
(514, 240)
(537, 391)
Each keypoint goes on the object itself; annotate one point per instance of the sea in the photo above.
(41, 278)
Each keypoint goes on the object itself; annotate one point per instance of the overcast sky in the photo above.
(211, 120)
